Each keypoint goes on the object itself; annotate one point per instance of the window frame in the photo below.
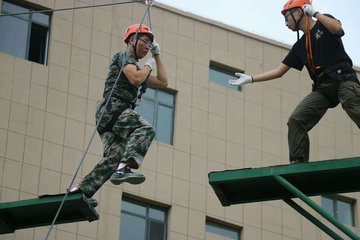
(33, 9)
(148, 206)
(223, 225)
(338, 198)
(157, 103)
(224, 69)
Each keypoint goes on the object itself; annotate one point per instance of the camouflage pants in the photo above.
(130, 137)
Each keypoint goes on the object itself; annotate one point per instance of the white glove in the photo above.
(309, 10)
(155, 48)
(242, 80)
(151, 63)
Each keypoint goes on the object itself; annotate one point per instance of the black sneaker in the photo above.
(296, 161)
(92, 201)
(126, 175)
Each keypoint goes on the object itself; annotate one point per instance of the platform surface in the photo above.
(41, 212)
(313, 178)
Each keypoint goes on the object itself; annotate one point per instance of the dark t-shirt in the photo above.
(327, 50)
(124, 90)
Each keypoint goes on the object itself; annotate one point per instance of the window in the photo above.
(223, 232)
(157, 107)
(26, 35)
(142, 221)
(221, 74)
(339, 207)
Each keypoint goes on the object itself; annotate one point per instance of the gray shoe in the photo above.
(126, 175)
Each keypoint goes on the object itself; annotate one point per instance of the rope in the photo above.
(66, 9)
(149, 18)
(308, 45)
(144, 85)
(92, 136)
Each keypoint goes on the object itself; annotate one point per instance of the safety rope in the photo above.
(308, 45)
(149, 3)
(66, 9)
(144, 85)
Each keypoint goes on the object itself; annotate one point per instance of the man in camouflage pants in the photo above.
(126, 136)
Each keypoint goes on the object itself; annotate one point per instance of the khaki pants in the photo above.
(313, 107)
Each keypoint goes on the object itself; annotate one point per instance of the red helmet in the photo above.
(294, 4)
(137, 28)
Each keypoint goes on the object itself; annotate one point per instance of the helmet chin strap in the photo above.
(134, 46)
(297, 24)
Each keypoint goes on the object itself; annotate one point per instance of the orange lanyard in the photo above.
(309, 54)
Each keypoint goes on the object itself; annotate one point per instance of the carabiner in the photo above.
(149, 2)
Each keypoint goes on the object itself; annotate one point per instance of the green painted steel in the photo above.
(41, 212)
(316, 207)
(312, 219)
(283, 183)
(313, 178)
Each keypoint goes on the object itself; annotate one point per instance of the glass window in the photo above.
(26, 35)
(221, 231)
(339, 207)
(158, 108)
(220, 74)
(142, 221)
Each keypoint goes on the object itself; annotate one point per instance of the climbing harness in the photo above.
(142, 90)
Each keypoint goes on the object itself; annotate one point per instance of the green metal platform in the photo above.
(313, 178)
(284, 182)
(41, 212)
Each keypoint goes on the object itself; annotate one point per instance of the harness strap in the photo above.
(336, 70)
(142, 90)
(115, 116)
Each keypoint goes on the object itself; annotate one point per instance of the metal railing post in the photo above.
(312, 219)
(291, 188)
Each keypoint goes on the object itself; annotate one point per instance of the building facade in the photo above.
(49, 85)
